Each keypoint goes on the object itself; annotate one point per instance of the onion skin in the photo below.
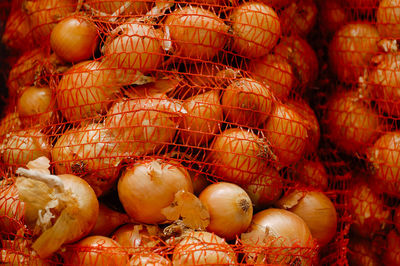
(230, 209)
(256, 29)
(149, 186)
(17, 31)
(74, 39)
(299, 17)
(360, 252)
(247, 102)
(392, 254)
(275, 72)
(312, 173)
(11, 209)
(108, 220)
(203, 119)
(351, 50)
(203, 248)
(110, 6)
(236, 156)
(383, 156)
(316, 209)
(196, 32)
(387, 18)
(351, 123)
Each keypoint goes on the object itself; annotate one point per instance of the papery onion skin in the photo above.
(17, 31)
(350, 50)
(392, 254)
(316, 209)
(197, 32)
(237, 156)
(111, 6)
(203, 248)
(351, 122)
(360, 252)
(384, 158)
(149, 259)
(230, 209)
(256, 29)
(95, 250)
(287, 134)
(275, 72)
(85, 91)
(247, 102)
(203, 119)
(312, 173)
(11, 209)
(299, 17)
(387, 18)
(149, 186)
(74, 39)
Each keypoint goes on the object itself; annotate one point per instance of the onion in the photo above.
(108, 220)
(384, 81)
(17, 31)
(237, 156)
(149, 259)
(203, 248)
(10, 123)
(201, 74)
(332, 16)
(277, 4)
(85, 91)
(316, 209)
(134, 237)
(256, 29)
(95, 250)
(299, 17)
(74, 39)
(11, 209)
(203, 119)
(265, 189)
(133, 46)
(199, 181)
(19, 252)
(36, 106)
(311, 121)
(360, 252)
(278, 236)
(144, 125)
(312, 173)
(45, 14)
(22, 146)
(196, 32)
(90, 152)
(383, 156)
(287, 134)
(351, 122)
(368, 211)
(111, 6)
(247, 102)
(149, 186)
(351, 49)
(275, 72)
(392, 254)
(387, 18)
(230, 209)
(363, 6)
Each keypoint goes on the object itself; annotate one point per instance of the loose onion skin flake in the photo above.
(203, 248)
(351, 122)
(230, 209)
(237, 155)
(148, 186)
(277, 236)
(287, 134)
(85, 91)
(196, 32)
(351, 49)
(384, 157)
(95, 250)
(316, 209)
(74, 39)
(360, 252)
(203, 119)
(111, 6)
(275, 72)
(17, 32)
(299, 17)
(256, 29)
(387, 18)
(392, 254)
(247, 102)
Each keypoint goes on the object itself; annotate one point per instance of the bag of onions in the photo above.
(183, 133)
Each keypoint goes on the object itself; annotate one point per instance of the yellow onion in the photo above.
(19, 252)
(149, 259)
(17, 32)
(203, 248)
(247, 102)
(203, 119)
(11, 209)
(312, 173)
(109, 7)
(85, 91)
(316, 209)
(196, 32)
(360, 252)
(392, 254)
(108, 220)
(332, 16)
(299, 17)
(230, 209)
(387, 18)
(148, 186)
(90, 152)
(256, 29)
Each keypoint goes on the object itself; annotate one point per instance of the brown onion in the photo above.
(299, 17)
(392, 254)
(360, 252)
(10, 123)
(108, 220)
(149, 259)
(312, 173)
(17, 31)
(316, 209)
(11, 209)
(256, 29)
(387, 18)
(332, 16)
(111, 6)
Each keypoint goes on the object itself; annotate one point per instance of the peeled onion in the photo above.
(256, 29)
(299, 17)
(148, 186)
(17, 31)
(312, 173)
(111, 6)
(392, 254)
(196, 32)
(247, 102)
(360, 252)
